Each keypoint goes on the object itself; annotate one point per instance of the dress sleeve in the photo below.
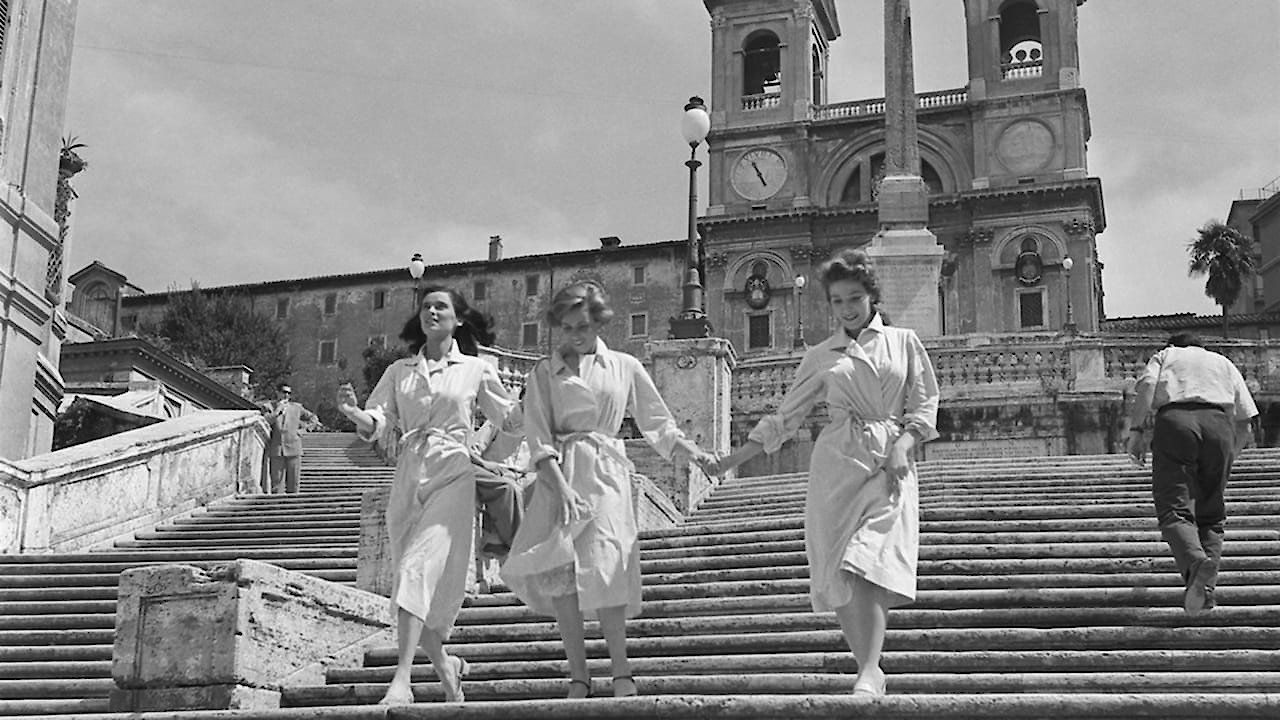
(805, 391)
(495, 401)
(650, 412)
(538, 426)
(921, 402)
(381, 405)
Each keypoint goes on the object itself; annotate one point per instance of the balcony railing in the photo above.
(875, 106)
(763, 101)
(1022, 70)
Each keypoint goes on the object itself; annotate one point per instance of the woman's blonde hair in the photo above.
(585, 295)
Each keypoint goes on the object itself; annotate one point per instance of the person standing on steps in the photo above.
(288, 421)
(861, 506)
(430, 512)
(577, 552)
(1203, 420)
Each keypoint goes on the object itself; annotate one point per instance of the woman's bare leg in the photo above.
(864, 622)
(613, 625)
(408, 631)
(433, 644)
(570, 623)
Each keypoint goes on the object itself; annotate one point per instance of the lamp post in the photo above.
(692, 321)
(1070, 327)
(800, 282)
(416, 268)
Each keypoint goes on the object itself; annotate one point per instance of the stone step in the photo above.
(71, 709)
(989, 661)
(1262, 488)
(55, 688)
(55, 653)
(55, 669)
(1173, 636)
(94, 565)
(917, 683)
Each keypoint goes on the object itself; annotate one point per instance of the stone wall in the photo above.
(90, 493)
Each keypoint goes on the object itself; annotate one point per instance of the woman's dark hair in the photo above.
(850, 265)
(586, 295)
(1183, 340)
(475, 328)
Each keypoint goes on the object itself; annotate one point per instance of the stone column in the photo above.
(693, 377)
(907, 256)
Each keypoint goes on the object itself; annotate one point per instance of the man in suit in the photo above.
(284, 446)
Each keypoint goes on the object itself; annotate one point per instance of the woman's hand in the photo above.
(1137, 447)
(347, 401)
(898, 464)
(571, 508)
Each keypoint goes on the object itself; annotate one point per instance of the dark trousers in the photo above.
(499, 495)
(1192, 448)
(284, 471)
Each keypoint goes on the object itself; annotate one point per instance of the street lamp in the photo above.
(800, 282)
(1070, 327)
(692, 321)
(416, 268)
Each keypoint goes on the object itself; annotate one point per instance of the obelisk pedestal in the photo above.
(907, 257)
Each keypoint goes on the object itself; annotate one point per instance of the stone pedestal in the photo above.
(373, 559)
(693, 377)
(908, 264)
(233, 636)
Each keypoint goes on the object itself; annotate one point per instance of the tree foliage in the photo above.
(377, 358)
(209, 329)
(1226, 257)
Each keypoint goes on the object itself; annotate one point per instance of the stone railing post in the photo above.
(233, 636)
(693, 377)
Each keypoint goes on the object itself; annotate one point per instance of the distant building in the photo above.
(330, 320)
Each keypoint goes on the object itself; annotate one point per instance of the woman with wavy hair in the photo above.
(577, 554)
(430, 397)
(861, 507)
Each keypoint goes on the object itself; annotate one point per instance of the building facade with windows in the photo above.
(330, 320)
(35, 73)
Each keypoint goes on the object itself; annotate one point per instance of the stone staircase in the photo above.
(1045, 591)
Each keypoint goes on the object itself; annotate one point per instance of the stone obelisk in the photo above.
(907, 256)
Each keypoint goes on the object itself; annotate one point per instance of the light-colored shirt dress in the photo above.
(574, 418)
(432, 504)
(874, 387)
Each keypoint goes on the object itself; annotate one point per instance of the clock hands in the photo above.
(759, 174)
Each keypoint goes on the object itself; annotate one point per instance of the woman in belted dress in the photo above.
(576, 554)
(861, 506)
(430, 397)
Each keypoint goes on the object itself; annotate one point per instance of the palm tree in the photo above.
(1226, 256)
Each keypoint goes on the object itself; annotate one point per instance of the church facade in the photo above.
(794, 178)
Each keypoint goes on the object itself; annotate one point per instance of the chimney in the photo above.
(610, 243)
(495, 248)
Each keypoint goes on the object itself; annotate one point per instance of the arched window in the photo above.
(857, 189)
(816, 60)
(1021, 49)
(762, 66)
(100, 307)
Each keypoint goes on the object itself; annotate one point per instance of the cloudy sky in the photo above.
(239, 140)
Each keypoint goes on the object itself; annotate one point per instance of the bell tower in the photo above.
(1032, 121)
(769, 68)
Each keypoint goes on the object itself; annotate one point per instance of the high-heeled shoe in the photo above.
(453, 690)
(622, 692)
(870, 688)
(584, 684)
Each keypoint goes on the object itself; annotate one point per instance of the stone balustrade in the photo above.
(513, 366)
(762, 101)
(1022, 70)
(90, 493)
(875, 106)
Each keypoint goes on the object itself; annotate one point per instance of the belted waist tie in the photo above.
(602, 442)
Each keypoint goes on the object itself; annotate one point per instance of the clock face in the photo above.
(759, 174)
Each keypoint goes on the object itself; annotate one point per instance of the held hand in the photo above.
(571, 508)
(896, 467)
(711, 464)
(347, 402)
(1138, 448)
